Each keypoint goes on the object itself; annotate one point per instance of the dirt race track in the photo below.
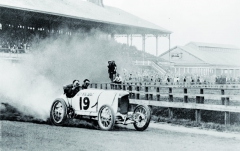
(30, 136)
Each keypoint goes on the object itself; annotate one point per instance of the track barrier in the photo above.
(168, 96)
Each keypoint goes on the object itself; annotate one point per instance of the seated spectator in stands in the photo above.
(118, 80)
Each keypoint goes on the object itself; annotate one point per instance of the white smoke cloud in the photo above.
(25, 89)
(33, 84)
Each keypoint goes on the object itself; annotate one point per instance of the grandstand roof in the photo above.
(215, 58)
(210, 45)
(87, 11)
(212, 57)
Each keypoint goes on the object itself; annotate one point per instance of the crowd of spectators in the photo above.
(12, 41)
(14, 38)
(13, 47)
(150, 75)
(140, 75)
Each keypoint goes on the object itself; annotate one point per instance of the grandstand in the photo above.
(204, 59)
(23, 20)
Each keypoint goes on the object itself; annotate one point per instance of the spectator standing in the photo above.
(185, 79)
(176, 79)
(112, 69)
(192, 80)
(198, 80)
(109, 70)
(168, 79)
(130, 77)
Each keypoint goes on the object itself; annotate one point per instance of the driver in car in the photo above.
(72, 89)
(85, 84)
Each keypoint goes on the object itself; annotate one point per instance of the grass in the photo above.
(186, 117)
(201, 125)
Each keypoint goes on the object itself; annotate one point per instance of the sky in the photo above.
(208, 21)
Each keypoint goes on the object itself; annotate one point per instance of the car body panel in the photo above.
(87, 102)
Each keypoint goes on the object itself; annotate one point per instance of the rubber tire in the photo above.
(64, 106)
(144, 127)
(101, 126)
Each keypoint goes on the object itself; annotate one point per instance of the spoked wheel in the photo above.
(58, 113)
(142, 117)
(106, 118)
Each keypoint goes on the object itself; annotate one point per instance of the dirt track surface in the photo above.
(29, 136)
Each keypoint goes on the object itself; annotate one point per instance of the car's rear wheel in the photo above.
(58, 113)
(106, 118)
(142, 117)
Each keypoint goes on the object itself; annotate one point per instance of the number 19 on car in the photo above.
(84, 103)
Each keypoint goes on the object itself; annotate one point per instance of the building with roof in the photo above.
(204, 59)
(55, 16)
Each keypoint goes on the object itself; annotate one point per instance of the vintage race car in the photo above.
(108, 107)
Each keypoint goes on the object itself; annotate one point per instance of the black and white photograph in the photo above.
(119, 75)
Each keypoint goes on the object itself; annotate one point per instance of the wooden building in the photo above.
(204, 59)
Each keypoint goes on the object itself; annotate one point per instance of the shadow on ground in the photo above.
(11, 113)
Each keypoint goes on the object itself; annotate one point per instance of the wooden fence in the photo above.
(167, 96)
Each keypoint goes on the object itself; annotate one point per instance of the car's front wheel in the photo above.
(142, 117)
(106, 118)
(58, 113)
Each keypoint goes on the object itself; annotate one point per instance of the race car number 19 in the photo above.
(84, 103)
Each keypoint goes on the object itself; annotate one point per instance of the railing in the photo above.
(227, 84)
(150, 63)
(13, 56)
(170, 96)
(8, 50)
(143, 63)
(158, 68)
